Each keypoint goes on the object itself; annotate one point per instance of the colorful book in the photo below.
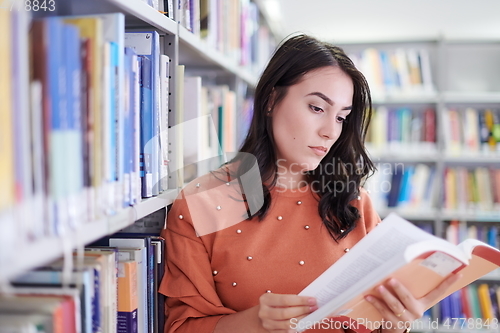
(91, 29)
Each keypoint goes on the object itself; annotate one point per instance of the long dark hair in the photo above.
(338, 177)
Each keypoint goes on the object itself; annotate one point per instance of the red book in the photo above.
(430, 125)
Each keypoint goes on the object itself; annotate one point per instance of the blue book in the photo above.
(492, 236)
(393, 126)
(456, 305)
(393, 195)
(113, 54)
(445, 307)
(128, 127)
(387, 71)
(56, 68)
(494, 301)
(147, 45)
(136, 114)
(147, 129)
(113, 31)
(74, 135)
(405, 192)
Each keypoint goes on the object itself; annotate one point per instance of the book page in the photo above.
(369, 259)
(373, 258)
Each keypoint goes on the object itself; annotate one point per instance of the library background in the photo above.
(108, 105)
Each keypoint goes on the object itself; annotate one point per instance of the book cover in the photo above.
(474, 301)
(53, 278)
(137, 251)
(54, 307)
(74, 135)
(192, 127)
(147, 45)
(165, 96)
(395, 248)
(56, 71)
(91, 29)
(483, 293)
(70, 297)
(127, 297)
(6, 140)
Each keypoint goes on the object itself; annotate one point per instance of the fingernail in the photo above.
(381, 289)
(393, 282)
(311, 301)
(313, 308)
(369, 299)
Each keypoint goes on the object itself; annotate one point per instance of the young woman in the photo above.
(244, 240)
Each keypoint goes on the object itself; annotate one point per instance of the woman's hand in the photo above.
(276, 311)
(400, 308)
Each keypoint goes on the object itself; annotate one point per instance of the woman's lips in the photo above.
(319, 150)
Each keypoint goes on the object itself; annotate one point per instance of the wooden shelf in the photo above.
(31, 255)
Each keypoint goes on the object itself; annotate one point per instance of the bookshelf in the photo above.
(50, 248)
(465, 74)
(183, 48)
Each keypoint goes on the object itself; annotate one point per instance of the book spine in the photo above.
(6, 134)
(146, 128)
(127, 297)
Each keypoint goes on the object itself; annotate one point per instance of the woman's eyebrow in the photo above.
(327, 99)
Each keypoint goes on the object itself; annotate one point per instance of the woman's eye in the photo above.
(315, 108)
(340, 119)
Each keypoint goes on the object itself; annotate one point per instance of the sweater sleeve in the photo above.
(192, 303)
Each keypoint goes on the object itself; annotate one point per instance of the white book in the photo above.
(164, 100)
(426, 72)
(192, 127)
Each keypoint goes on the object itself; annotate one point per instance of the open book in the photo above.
(395, 248)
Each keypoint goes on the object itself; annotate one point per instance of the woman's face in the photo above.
(308, 121)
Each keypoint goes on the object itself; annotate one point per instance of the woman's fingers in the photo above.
(440, 289)
(277, 311)
(397, 304)
(284, 313)
(271, 299)
(392, 302)
(384, 310)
